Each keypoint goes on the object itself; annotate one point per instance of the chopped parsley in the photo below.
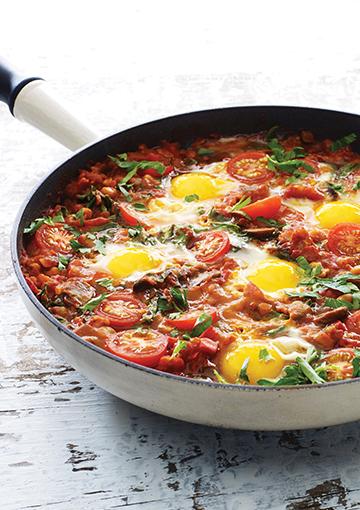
(47, 220)
(264, 355)
(276, 331)
(76, 246)
(93, 303)
(334, 186)
(139, 207)
(179, 346)
(356, 186)
(269, 222)
(179, 297)
(204, 151)
(132, 167)
(243, 202)
(243, 376)
(287, 161)
(106, 282)
(356, 364)
(343, 142)
(191, 198)
(80, 216)
(63, 261)
(201, 325)
(300, 372)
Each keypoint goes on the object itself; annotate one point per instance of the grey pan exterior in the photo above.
(230, 406)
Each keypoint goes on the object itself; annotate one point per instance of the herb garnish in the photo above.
(179, 296)
(204, 151)
(243, 371)
(179, 346)
(191, 198)
(76, 246)
(106, 282)
(93, 303)
(343, 142)
(63, 261)
(133, 167)
(287, 161)
(201, 325)
(264, 355)
(243, 202)
(276, 331)
(356, 364)
(47, 220)
(300, 372)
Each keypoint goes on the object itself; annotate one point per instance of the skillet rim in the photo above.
(16, 234)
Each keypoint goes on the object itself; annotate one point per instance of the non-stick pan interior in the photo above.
(184, 129)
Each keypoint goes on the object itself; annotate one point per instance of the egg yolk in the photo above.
(329, 215)
(266, 366)
(203, 185)
(274, 274)
(129, 261)
(157, 204)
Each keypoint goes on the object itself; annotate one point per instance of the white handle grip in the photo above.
(36, 105)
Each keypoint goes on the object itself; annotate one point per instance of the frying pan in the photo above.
(230, 406)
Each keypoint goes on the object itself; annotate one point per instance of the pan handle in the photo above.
(30, 100)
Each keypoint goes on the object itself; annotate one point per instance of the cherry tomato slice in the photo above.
(212, 246)
(353, 322)
(344, 239)
(250, 167)
(145, 348)
(267, 207)
(154, 173)
(188, 320)
(121, 309)
(54, 238)
(130, 216)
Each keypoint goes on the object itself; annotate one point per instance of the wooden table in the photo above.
(65, 443)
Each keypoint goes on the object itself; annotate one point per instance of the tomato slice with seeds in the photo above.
(353, 322)
(212, 246)
(145, 348)
(267, 207)
(53, 237)
(187, 321)
(122, 310)
(344, 239)
(130, 216)
(250, 167)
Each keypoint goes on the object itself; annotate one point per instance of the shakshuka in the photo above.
(234, 260)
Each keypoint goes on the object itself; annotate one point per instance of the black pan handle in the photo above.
(30, 100)
(11, 83)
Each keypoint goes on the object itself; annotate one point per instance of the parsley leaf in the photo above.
(47, 220)
(80, 216)
(106, 282)
(139, 207)
(76, 246)
(264, 355)
(269, 222)
(243, 371)
(201, 325)
(343, 142)
(356, 364)
(93, 303)
(243, 202)
(63, 261)
(276, 331)
(191, 198)
(180, 298)
(356, 186)
(204, 151)
(179, 346)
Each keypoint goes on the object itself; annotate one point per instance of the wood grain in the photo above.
(65, 443)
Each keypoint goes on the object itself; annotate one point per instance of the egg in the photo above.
(170, 211)
(133, 261)
(340, 211)
(203, 185)
(232, 359)
(273, 274)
